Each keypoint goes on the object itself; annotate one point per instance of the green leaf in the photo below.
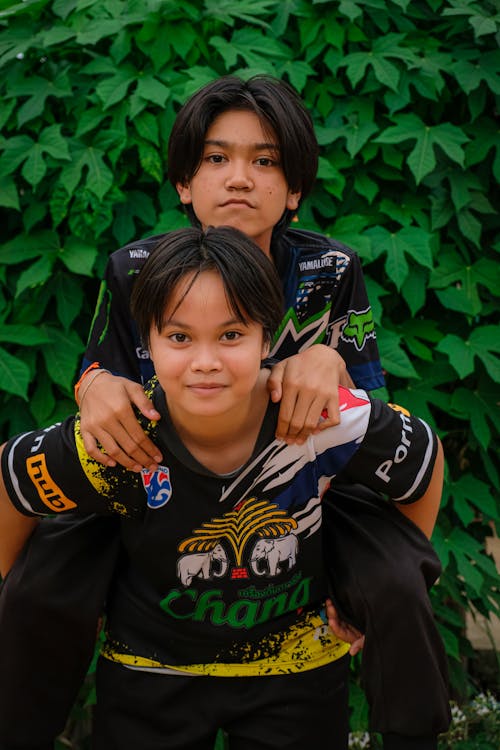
(478, 407)
(147, 127)
(112, 90)
(39, 89)
(414, 289)
(395, 359)
(14, 375)
(250, 11)
(26, 246)
(93, 31)
(422, 159)
(152, 90)
(482, 342)
(420, 395)
(99, 178)
(151, 161)
(62, 356)
(298, 72)
(25, 335)
(69, 299)
(42, 402)
(395, 245)
(78, 256)
(34, 167)
(9, 197)
(36, 274)
(15, 151)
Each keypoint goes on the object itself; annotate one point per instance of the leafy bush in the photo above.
(403, 97)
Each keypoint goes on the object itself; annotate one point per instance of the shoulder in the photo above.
(134, 254)
(314, 242)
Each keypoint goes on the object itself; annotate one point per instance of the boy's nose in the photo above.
(239, 177)
(205, 359)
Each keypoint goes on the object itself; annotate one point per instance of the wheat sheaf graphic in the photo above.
(249, 517)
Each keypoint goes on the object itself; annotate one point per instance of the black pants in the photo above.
(291, 712)
(381, 567)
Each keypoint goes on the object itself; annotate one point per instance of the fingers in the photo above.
(126, 445)
(344, 630)
(275, 380)
(110, 430)
(308, 386)
(305, 412)
(140, 400)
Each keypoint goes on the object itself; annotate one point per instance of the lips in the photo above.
(237, 202)
(206, 388)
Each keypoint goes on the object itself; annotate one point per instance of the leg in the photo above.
(293, 711)
(381, 566)
(49, 606)
(137, 709)
(147, 711)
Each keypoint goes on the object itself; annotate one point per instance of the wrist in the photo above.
(86, 380)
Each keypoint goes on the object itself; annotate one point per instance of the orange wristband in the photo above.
(80, 380)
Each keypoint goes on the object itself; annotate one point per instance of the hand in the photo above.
(107, 418)
(343, 630)
(307, 385)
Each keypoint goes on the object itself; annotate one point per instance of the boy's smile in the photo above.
(240, 182)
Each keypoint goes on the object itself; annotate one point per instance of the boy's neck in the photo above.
(223, 444)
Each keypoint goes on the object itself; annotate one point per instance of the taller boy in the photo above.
(242, 154)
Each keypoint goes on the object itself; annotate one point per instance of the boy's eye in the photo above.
(231, 336)
(266, 161)
(178, 338)
(215, 158)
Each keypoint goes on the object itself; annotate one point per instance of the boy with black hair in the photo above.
(243, 154)
(217, 598)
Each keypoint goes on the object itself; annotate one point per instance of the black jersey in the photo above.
(223, 574)
(325, 301)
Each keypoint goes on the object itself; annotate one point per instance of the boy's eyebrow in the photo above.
(224, 324)
(226, 144)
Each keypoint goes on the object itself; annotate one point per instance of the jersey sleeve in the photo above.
(351, 329)
(47, 471)
(396, 456)
(113, 339)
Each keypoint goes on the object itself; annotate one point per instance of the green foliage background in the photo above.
(404, 98)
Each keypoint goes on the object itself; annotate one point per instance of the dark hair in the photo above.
(251, 283)
(277, 105)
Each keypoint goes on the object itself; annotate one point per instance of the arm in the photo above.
(15, 529)
(108, 420)
(47, 472)
(424, 512)
(336, 312)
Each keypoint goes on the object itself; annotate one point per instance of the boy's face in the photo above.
(240, 182)
(207, 361)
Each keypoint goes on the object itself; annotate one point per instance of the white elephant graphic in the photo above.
(268, 555)
(205, 565)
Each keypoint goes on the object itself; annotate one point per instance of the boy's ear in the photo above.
(266, 348)
(184, 193)
(293, 199)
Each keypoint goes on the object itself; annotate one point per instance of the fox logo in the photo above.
(359, 327)
(158, 486)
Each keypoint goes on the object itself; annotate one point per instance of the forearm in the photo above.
(424, 512)
(15, 529)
